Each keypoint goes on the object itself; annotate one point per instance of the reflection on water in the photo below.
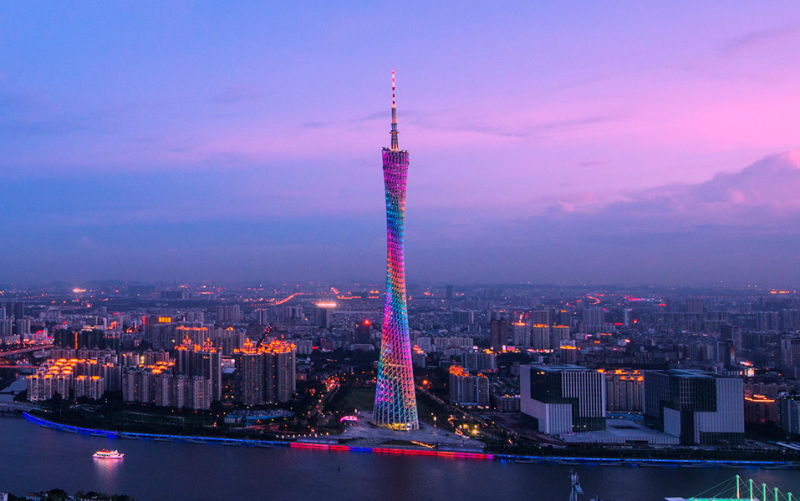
(108, 470)
(36, 458)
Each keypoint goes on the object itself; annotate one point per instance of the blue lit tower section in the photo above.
(395, 402)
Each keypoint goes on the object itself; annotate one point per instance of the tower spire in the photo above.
(395, 146)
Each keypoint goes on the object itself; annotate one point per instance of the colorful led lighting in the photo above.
(395, 401)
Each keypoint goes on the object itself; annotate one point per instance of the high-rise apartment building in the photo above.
(194, 334)
(627, 317)
(280, 371)
(206, 361)
(695, 304)
(464, 317)
(540, 337)
(228, 314)
(469, 390)
(521, 334)
(15, 310)
(624, 390)
(594, 318)
(262, 316)
(159, 331)
(268, 372)
(498, 334)
(559, 334)
(251, 368)
(733, 334)
(481, 360)
(541, 317)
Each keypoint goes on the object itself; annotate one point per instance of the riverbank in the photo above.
(423, 451)
(39, 458)
(146, 436)
(60, 494)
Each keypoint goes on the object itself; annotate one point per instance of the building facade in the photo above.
(699, 407)
(563, 398)
(468, 390)
(268, 373)
(789, 413)
(624, 390)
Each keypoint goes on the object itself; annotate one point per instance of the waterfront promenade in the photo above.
(330, 444)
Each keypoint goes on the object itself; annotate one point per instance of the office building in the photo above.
(789, 413)
(699, 407)
(363, 333)
(563, 398)
(323, 317)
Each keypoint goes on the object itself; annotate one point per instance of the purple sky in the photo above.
(613, 142)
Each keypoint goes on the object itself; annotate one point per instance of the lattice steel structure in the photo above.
(395, 401)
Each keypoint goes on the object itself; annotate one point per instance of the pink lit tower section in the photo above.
(395, 401)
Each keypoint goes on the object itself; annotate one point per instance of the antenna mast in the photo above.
(395, 145)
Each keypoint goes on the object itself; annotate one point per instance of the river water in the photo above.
(36, 458)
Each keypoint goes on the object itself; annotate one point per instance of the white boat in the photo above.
(108, 455)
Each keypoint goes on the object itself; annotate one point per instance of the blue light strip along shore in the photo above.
(145, 436)
(549, 460)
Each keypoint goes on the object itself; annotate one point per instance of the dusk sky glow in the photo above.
(611, 142)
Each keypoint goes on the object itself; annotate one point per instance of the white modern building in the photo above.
(563, 398)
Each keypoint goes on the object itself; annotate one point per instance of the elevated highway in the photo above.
(20, 351)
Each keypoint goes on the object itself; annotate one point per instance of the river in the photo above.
(36, 458)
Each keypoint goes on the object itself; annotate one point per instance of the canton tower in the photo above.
(395, 401)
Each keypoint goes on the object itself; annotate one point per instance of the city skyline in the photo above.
(610, 145)
(596, 263)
